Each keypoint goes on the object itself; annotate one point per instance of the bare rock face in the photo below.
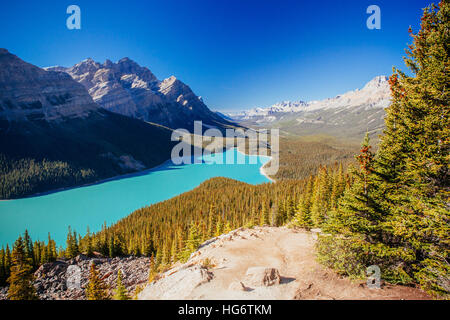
(178, 285)
(129, 89)
(30, 93)
(52, 278)
(261, 276)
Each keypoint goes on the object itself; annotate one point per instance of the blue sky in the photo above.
(236, 54)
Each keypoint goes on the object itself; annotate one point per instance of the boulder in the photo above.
(262, 276)
(178, 285)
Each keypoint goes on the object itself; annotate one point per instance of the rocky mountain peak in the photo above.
(377, 82)
(126, 60)
(85, 66)
(48, 96)
(108, 63)
(127, 88)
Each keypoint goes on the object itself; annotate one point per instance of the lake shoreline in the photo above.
(130, 175)
(97, 182)
(264, 173)
(108, 202)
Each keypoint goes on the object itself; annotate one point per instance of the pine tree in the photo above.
(165, 259)
(338, 187)
(37, 250)
(149, 248)
(321, 197)
(121, 291)
(292, 207)
(21, 278)
(29, 252)
(303, 216)
(7, 262)
(192, 242)
(158, 258)
(359, 219)
(174, 249)
(96, 288)
(72, 249)
(227, 227)
(88, 248)
(2, 267)
(281, 216)
(111, 247)
(219, 226)
(396, 213)
(211, 221)
(153, 270)
(414, 153)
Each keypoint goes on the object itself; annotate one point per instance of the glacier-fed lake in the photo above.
(113, 199)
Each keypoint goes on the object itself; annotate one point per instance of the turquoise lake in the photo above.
(116, 198)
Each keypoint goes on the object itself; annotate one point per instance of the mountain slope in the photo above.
(348, 115)
(53, 135)
(129, 89)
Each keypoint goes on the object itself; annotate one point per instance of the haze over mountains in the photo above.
(131, 90)
(348, 115)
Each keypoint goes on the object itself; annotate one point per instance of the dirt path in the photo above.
(290, 251)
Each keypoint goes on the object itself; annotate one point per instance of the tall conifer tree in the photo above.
(21, 278)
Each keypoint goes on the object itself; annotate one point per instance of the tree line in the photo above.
(23, 177)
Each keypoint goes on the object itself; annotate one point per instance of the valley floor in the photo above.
(218, 270)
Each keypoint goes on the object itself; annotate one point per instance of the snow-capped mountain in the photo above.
(348, 114)
(129, 89)
(280, 107)
(375, 94)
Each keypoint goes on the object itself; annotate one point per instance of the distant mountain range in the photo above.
(348, 115)
(131, 90)
(53, 135)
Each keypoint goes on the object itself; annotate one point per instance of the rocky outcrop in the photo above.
(179, 284)
(262, 263)
(129, 89)
(262, 276)
(53, 280)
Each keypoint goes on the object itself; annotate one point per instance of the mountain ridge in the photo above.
(378, 85)
(129, 89)
(348, 115)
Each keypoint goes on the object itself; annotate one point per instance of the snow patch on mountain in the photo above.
(375, 94)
